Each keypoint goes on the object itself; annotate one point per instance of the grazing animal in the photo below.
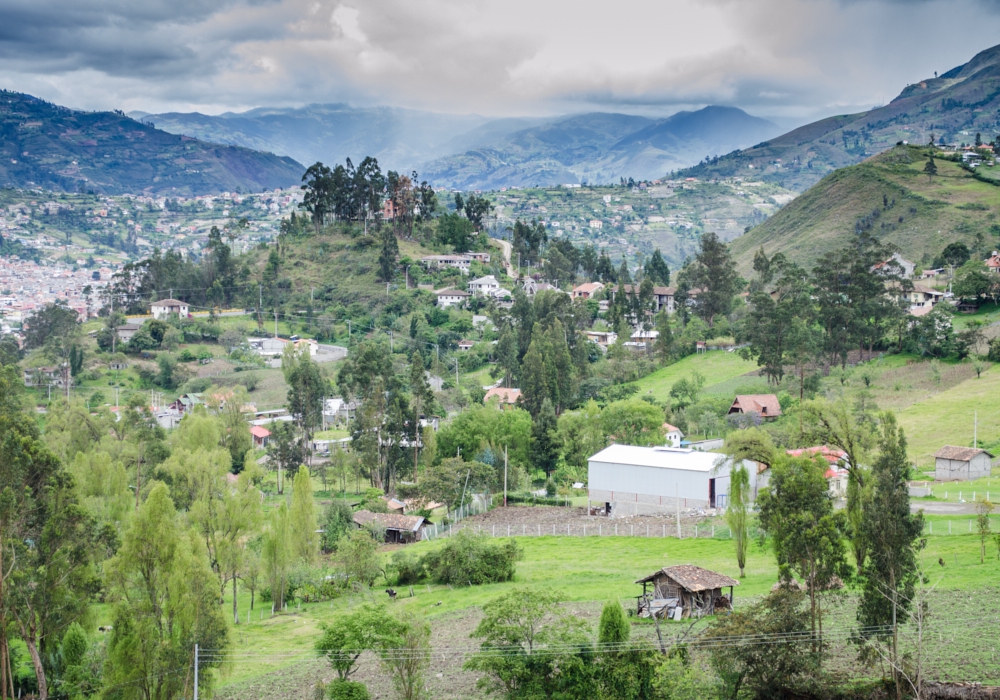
(391, 592)
(941, 562)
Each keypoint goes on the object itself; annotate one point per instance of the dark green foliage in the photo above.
(748, 669)
(455, 231)
(51, 321)
(407, 568)
(955, 254)
(657, 270)
(471, 559)
(10, 351)
(545, 442)
(527, 241)
(714, 272)
(613, 627)
(337, 519)
(347, 690)
(891, 533)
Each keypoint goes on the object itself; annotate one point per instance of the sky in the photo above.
(793, 60)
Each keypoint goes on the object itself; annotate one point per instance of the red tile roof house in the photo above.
(505, 396)
(260, 435)
(764, 405)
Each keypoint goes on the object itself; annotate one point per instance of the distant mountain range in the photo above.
(474, 152)
(51, 147)
(954, 107)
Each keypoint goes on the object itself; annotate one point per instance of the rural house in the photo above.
(764, 405)
(504, 395)
(684, 591)
(162, 309)
(399, 528)
(261, 435)
(451, 297)
(484, 286)
(587, 290)
(953, 463)
(631, 480)
(673, 435)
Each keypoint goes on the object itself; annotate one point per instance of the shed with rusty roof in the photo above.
(691, 589)
(398, 528)
(953, 463)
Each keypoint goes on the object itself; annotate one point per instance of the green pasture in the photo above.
(716, 367)
(947, 418)
(580, 570)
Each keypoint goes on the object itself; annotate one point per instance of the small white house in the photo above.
(484, 286)
(953, 463)
(673, 435)
(162, 309)
(451, 297)
(630, 480)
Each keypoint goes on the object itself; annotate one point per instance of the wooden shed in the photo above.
(398, 528)
(692, 590)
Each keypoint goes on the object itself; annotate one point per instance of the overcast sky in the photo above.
(797, 59)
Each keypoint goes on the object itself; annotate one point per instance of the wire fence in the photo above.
(609, 528)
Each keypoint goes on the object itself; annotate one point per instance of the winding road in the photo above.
(506, 248)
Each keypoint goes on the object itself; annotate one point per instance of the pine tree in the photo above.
(930, 167)
(657, 270)
(305, 539)
(387, 256)
(545, 442)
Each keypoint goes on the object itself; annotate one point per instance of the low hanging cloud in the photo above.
(798, 58)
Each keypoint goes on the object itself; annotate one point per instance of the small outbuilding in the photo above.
(399, 528)
(683, 591)
(953, 463)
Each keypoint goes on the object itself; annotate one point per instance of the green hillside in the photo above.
(954, 107)
(891, 194)
(46, 146)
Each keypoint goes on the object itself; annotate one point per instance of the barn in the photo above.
(631, 480)
(953, 463)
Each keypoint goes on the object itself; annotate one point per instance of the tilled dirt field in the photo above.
(560, 520)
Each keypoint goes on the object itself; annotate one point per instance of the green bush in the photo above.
(337, 520)
(406, 568)
(347, 690)
(468, 558)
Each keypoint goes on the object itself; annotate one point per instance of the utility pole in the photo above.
(276, 324)
(195, 672)
(456, 371)
(975, 429)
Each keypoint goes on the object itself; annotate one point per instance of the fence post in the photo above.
(647, 530)
(713, 532)
(631, 530)
(664, 531)
(616, 528)
(508, 531)
(553, 529)
(696, 532)
(567, 530)
(494, 529)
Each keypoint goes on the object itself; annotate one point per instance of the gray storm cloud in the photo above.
(779, 57)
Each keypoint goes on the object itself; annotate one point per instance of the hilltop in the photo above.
(954, 107)
(891, 194)
(46, 146)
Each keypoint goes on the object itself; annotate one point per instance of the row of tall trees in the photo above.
(357, 194)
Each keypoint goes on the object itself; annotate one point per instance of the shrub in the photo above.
(473, 559)
(186, 355)
(407, 568)
(347, 690)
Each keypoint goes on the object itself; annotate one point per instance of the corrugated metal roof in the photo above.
(661, 457)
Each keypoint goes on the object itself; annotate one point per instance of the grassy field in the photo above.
(716, 367)
(584, 572)
(946, 418)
